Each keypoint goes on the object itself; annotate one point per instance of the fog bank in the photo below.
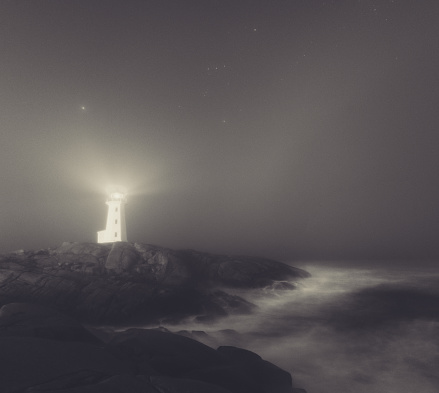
(344, 329)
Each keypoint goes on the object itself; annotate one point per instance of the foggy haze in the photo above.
(344, 329)
(286, 129)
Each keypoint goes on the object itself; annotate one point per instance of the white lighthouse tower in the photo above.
(116, 230)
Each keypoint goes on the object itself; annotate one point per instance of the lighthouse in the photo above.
(115, 230)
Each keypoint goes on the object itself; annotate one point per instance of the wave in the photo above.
(344, 329)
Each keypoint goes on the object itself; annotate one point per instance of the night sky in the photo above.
(292, 129)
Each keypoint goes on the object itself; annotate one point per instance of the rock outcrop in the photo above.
(131, 283)
(134, 361)
(33, 320)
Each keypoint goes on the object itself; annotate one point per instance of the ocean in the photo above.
(361, 329)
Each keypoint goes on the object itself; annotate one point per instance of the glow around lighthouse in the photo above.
(116, 230)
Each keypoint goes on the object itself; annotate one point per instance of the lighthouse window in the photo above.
(115, 234)
(115, 221)
(116, 208)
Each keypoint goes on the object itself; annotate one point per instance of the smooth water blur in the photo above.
(344, 329)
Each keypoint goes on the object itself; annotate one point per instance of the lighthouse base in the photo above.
(110, 237)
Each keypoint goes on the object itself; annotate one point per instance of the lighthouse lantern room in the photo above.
(115, 230)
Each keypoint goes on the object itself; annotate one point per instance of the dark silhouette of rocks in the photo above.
(32, 320)
(180, 385)
(245, 371)
(132, 283)
(30, 362)
(163, 352)
(133, 361)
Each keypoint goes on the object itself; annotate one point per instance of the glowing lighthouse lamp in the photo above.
(116, 230)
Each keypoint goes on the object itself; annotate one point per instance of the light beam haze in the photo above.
(280, 129)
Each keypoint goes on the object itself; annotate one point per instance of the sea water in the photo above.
(368, 329)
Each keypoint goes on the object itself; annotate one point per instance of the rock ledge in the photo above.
(135, 283)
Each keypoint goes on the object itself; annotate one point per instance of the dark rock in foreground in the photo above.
(132, 283)
(134, 361)
(33, 320)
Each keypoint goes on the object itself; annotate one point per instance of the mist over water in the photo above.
(344, 329)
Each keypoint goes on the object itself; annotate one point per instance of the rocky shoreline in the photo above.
(42, 350)
(55, 302)
(134, 283)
